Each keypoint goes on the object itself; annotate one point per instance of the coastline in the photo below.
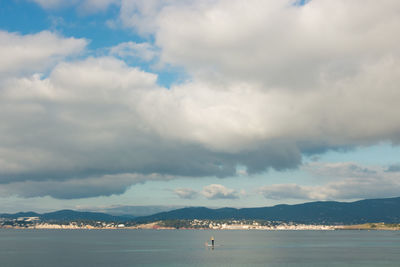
(263, 225)
(156, 226)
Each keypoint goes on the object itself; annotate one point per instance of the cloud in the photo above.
(393, 168)
(142, 51)
(339, 169)
(244, 42)
(302, 85)
(285, 191)
(53, 3)
(186, 193)
(258, 96)
(95, 186)
(352, 182)
(98, 116)
(142, 15)
(93, 6)
(217, 191)
(86, 6)
(27, 54)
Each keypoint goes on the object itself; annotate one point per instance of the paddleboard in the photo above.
(209, 245)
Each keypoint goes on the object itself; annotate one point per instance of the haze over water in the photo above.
(84, 248)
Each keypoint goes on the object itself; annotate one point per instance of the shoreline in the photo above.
(237, 228)
(35, 223)
(196, 229)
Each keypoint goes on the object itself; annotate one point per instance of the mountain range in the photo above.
(321, 212)
(133, 211)
(68, 215)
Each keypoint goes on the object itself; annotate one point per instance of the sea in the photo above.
(86, 248)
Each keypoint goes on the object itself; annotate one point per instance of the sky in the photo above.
(107, 103)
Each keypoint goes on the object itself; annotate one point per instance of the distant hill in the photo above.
(68, 215)
(134, 211)
(320, 212)
(19, 214)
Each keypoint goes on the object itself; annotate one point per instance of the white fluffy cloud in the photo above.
(142, 15)
(276, 42)
(80, 115)
(318, 75)
(26, 54)
(218, 191)
(242, 116)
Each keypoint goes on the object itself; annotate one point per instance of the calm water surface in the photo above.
(85, 248)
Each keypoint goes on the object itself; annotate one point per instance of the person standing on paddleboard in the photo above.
(212, 241)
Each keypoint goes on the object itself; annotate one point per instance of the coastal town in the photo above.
(36, 223)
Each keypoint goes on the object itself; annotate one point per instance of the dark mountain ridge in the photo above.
(320, 212)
